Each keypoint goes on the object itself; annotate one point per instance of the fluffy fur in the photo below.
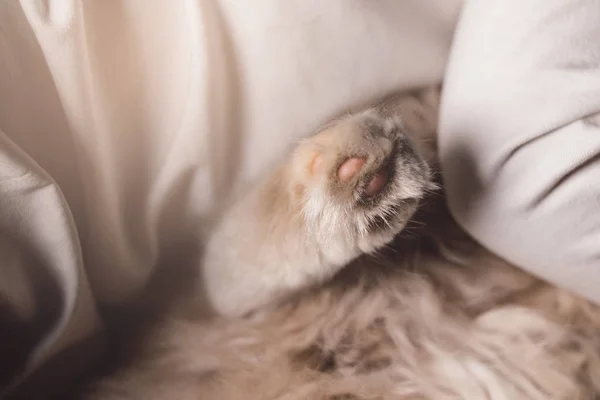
(303, 223)
(429, 316)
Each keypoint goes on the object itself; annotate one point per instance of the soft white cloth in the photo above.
(520, 135)
(125, 124)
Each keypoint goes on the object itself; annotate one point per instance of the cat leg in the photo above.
(346, 191)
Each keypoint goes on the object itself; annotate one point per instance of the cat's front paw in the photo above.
(362, 180)
(345, 191)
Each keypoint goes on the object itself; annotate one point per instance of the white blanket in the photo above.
(124, 125)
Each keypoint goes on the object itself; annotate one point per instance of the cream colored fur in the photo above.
(430, 315)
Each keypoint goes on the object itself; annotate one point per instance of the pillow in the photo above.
(520, 135)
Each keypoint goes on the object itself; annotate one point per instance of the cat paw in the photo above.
(362, 181)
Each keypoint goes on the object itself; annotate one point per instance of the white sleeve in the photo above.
(520, 135)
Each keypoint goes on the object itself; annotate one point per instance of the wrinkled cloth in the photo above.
(520, 135)
(125, 126)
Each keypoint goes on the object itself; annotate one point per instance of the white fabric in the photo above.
(125, 124)
(520, 135)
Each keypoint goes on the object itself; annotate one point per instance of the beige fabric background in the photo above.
(125, 124)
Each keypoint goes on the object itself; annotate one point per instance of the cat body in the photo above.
(341, 275)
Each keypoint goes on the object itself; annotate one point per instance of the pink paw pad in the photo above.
(376, 184)
(350, 168)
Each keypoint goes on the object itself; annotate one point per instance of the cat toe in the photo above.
(365, 182)
(350, 168)
(377, 183)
